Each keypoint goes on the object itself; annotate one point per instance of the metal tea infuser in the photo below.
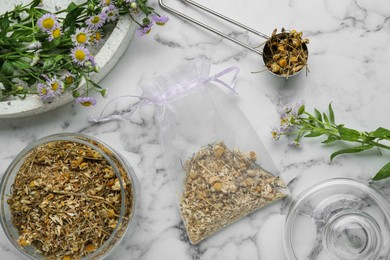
(266, 53)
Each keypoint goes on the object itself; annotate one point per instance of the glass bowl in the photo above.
(101, 169)
(338, 219)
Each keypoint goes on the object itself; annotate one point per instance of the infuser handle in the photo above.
(207, 27)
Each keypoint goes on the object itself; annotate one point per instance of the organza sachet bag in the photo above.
(216, 162)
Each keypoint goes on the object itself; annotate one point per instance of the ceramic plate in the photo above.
(107, 55)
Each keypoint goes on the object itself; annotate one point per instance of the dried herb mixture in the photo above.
(286, 53)
(222, 186)
(66, 200)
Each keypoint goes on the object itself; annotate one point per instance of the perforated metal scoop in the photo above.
(267, 47)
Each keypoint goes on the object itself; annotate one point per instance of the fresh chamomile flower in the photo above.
(45, 92)
(106, 2)
(143, 30)
(55, 33)
(81, 36)
(55, 85)
(112, 13)
(80, 55)
(96, 21)
(86, 101)
(96, 37)
(160, 20)
(68, 77)
(275, 132)
(47, 22)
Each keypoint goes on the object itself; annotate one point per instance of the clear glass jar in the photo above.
(339, 219)
(128, 188)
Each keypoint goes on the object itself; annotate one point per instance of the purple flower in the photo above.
(47, 22)
(96, 21)
(295, 144)
(56, 86)
(45, 92)
(81, 36)
(80, 55)
(275, 132)
(86, 101)
(96, 37)
(141, 31)
(55, 33)
(160, 20)
(106, 2)
(68, 77)
(112, 13)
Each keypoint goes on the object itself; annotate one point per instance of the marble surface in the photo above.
(349, 63)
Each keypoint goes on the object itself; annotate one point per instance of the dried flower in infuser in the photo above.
(285, 53)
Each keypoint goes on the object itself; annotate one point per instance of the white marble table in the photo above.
(349, 63)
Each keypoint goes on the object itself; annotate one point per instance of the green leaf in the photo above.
(7, 68)
(331, 139)
(331, 114)
(318, 114)
(20, 33)
(356, 149)
(71, 7)
(380, 133)
(348, 134)
(21, 64)
(71, 17)
(35, 3)
(383, 173)
(301, 110)
(316, 133)
(325, 118)
(4, 25)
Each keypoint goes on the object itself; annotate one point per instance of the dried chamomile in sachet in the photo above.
(207, 143)
(221, 186)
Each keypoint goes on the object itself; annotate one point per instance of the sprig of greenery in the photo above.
(38, 60)
(295, 121)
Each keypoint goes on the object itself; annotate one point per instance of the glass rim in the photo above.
(308, 193)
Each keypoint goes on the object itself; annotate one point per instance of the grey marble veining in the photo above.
(349, 65)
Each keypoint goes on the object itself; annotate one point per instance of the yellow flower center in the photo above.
(81, 38)
(86, 103)
(160, 23)
(69, 80)
(54, 86)
(79, 55)
(95, 19)
(44, 91)
(48, 23)
(56, 33)
(98, 36)
(108, 2)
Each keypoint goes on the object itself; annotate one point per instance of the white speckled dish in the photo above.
(107, 55)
